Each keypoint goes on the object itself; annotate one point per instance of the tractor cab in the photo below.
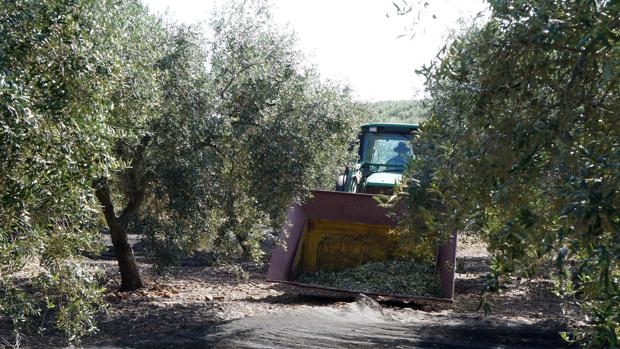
(384, 151)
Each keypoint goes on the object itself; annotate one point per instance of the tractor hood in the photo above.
(383, 179)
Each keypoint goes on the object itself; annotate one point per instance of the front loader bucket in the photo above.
(334, 230)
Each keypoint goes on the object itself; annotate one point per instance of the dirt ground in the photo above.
(199, 296)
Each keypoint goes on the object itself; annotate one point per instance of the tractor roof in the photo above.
(390, 127)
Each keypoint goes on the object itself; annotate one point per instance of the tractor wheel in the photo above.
(354, 186)
(340, 183)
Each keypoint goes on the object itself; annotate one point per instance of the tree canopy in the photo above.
(523, 148)
(110, 114)
(61, 65)
(405, 111)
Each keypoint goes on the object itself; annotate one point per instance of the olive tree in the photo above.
(264, 129)
(285, 131)
(522, 146)
(62, 64)
(108, 111)
(160, 160)
(178, 164)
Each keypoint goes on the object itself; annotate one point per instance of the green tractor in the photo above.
(384, 152)
(333, 230)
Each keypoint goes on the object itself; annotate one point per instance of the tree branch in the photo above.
(102, 192)
(136, 178)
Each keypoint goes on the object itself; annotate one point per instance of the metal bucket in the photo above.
(335, 230)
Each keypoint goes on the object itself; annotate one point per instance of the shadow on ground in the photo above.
(204, 306)
(360, 324)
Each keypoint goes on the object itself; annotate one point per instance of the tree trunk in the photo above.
(130, 276)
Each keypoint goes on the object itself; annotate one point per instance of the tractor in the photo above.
(384, 152)
(345, 228)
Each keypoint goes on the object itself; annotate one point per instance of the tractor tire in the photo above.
(340, 183)
(354, 186)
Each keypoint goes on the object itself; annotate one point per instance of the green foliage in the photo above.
(523, 147)
(244, 140)
(407, 111)
(62, 63)
(194, 144)
(73, 290)
(177, 160)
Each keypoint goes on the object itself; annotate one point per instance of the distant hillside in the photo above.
(406, 111)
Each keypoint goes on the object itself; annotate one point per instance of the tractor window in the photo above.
(387, 148)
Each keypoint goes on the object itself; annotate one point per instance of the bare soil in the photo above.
(201, 296)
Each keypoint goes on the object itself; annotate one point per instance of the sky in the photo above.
(358, 42)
